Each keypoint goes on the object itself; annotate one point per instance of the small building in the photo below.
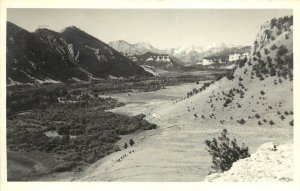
(149, 59)
(207, 62)
(234, 57)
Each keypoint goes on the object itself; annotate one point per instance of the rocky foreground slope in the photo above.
(258, 93)
(269, 163)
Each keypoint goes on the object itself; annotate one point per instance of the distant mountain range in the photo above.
(133, 49)
(188, 55)
(72, 55)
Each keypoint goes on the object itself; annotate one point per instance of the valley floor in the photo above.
(175, 151)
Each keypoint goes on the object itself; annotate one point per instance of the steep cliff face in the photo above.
(157, 61)
(48, 56)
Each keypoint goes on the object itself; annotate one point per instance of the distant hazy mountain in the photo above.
(157, 61)
(133, 49)
(72, 55)
(194, 54)
(188, 54)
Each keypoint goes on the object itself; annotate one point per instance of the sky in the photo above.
(163, 28)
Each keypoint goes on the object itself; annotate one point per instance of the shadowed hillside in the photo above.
(73, 55)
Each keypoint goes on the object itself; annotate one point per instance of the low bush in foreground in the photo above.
(225, 152)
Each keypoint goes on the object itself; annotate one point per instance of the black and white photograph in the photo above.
(149, 95)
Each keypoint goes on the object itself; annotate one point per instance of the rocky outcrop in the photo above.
(157, 61)
(270, 163)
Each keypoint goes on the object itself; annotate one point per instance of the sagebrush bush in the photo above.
(273, 47)
(266, 51)
(131, 142)
(225, 152)
(282, 50)
(242, 121)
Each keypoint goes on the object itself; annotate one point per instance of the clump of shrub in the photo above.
(266, 51)
(230, 76)
(262, 92)
(258, 54)
(228, 101)
(272, 38)
(282, 50)
(261, 78)
(131, 142)
(241, 121)
(225, 152)
(241, 63)
(279, 32)
(287, 36)
(273, 47)
(273, 22)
